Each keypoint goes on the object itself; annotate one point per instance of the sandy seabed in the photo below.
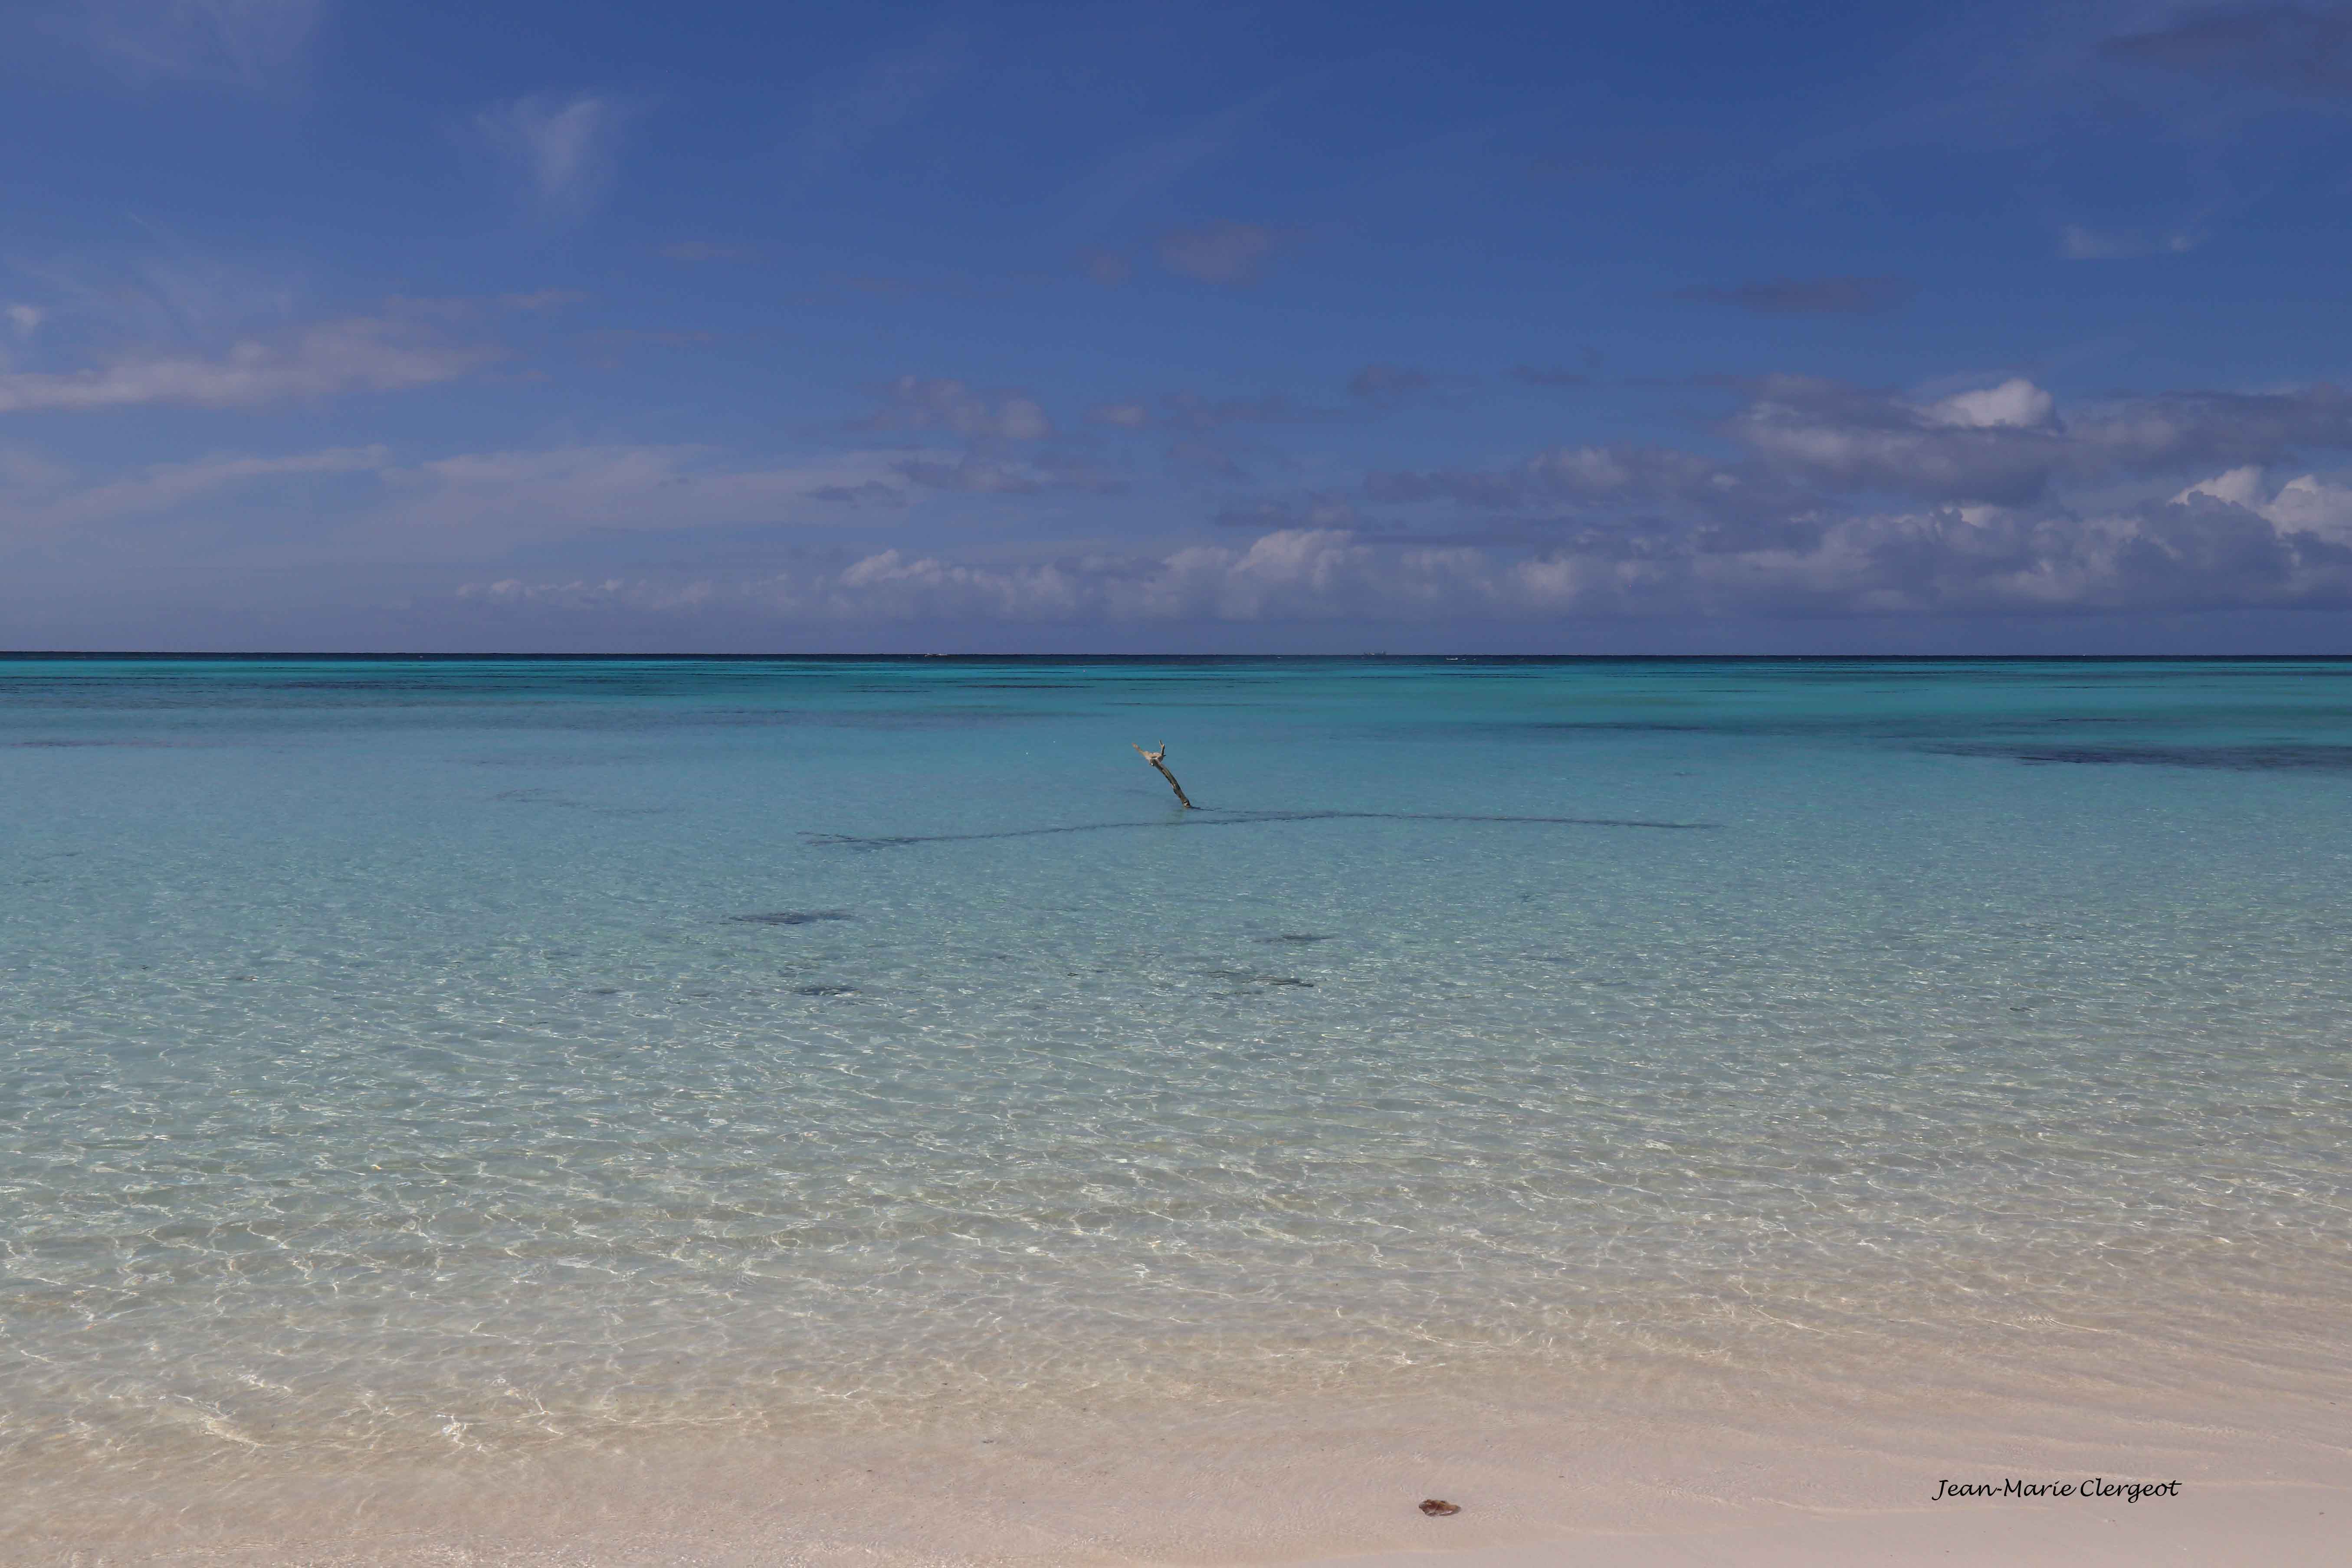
(1750, 1471)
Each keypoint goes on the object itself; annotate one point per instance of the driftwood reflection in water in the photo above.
(1198, 817)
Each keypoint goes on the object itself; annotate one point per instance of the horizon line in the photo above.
(484, 655)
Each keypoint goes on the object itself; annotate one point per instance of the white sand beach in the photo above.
(1737, 1484)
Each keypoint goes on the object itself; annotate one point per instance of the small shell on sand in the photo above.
(1438, 1507)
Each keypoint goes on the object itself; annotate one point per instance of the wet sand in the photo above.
(1734, 1482)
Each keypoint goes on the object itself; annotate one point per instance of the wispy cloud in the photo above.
(1107, 268)
(166, 485)
(2288, 49)
(1315, 509)
(26, 474)
(536, 494)
(234, 43)
(976, 473)
(838, 121)
(937, 403)
(2077, 242)
(698, 250)
(1615, 479)
(357, 354)
(1373, 388)
(1386, 385)
(1136, 173)
(175, 297)
(1810, 296)
(472, 307)
(561, 146)
(1547, 376)
(1225, 253)
(472, 501)
(1191, 411)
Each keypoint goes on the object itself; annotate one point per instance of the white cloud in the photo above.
(1287, 573)
(2231, 541)
(1969, 448)
(2014, 403)
(2239, 487)
(2311, 505)
(1912, 564)
(237, 43)
(561, 146)
(26, 319)
(358, 355)
(2008, 444)
(2308, 505)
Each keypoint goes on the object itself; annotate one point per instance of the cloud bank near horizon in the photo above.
(917, 328)
(1823, 500)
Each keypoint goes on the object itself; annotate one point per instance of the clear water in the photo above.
(407, 1059)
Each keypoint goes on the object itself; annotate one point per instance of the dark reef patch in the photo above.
(792, 916)
(559, 758)
(1253, 977)
(79, 745)
(557, 798)
(2281, 757)
(824, 990)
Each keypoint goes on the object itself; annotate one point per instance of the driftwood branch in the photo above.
(1154, 758)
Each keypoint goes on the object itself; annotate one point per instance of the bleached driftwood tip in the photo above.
(1157, 759)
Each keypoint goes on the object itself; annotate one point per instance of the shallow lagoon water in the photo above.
(418, 1061)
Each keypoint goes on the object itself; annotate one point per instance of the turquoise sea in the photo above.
(434, 1062)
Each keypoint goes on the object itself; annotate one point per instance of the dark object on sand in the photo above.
(1438, 1507)
(1154, 758)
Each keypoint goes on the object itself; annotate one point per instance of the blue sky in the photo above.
(1289, 328)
